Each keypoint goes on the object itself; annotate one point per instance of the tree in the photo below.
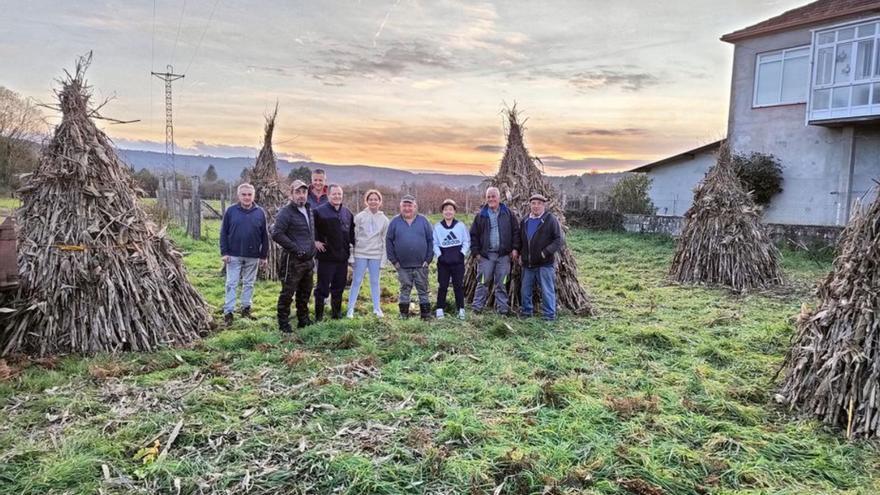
(630, 195)
(245, 174)
(760, 173)
(147, 181)
(21, 123)
(210, 174)
(302, 173)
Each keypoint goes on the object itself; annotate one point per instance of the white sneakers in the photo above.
(349, 313)
(440, 314)
(461, 314)
(379, 313)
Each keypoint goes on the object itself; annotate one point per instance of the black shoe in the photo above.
(319, 312)
(404, 310)
(304, 323)
(284, 326)
(227, 319)
(425, 311)
(336, 309)
(246, 313)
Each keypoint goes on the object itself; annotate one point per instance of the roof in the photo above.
(690, 155)
(812, 13)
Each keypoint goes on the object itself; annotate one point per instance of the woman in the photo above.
(452, 243)
(370, 226)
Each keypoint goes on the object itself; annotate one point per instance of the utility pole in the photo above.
(169, 76)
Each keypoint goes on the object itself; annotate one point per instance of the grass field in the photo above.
(668, 390)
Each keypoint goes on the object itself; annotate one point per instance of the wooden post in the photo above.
(223, 203)
(196, 210)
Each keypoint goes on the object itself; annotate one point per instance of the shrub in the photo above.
(630, 195)
(760, 173)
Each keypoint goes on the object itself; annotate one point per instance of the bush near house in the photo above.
(630, 195)
(760, 173)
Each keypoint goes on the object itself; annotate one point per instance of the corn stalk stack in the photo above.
(723, 241)
(268, 192)
(517, 179)
(95, 274)
(833, 366)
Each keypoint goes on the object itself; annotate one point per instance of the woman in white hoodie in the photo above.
(370, 226)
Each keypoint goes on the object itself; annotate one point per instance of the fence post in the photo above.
(195, 205)
(223, 203)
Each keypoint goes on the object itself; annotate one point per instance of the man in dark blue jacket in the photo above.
(541, 240)
(495, 241)
(244, 245)
(294, 231)
(334, 236)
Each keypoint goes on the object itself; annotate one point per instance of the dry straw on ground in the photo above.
(723, 241)
(833, 366)
(95, 274)
(268, 192)
(517, 179)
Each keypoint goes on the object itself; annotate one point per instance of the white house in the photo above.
(674, 178)
(806, 89)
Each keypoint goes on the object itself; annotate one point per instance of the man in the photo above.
(541, 240)
(334, 236)
(317, 190)
(495, 240)
(294, 232)
(244, 244)
(409, 245)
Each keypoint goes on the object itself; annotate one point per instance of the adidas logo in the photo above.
(450, 240)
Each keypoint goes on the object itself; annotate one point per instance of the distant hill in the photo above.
(230, 169)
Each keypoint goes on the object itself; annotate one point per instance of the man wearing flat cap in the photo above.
(409, 244)
(294, 231)
(541, 239)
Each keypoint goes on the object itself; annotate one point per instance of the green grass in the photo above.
(669, 385)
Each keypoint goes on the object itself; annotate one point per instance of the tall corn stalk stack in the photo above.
(96, 276)
(723, 241)
(833, 366)
(517, 179)
(268, 192)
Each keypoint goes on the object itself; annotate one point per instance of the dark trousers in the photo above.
(445, 273)
(296, 279)
(331, 281)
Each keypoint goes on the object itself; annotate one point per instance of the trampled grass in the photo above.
(669, 387)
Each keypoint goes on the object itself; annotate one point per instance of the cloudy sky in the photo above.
(412, 84)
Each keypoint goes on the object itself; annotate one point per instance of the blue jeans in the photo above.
(361, 265)
(246, 270)
(546, 277)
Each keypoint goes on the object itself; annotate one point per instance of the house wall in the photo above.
(673, 183)
(815, 158)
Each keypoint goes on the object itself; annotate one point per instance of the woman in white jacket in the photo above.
(370, 226)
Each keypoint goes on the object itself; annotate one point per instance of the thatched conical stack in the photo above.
(833, 366)
(723, 241)
(517, 179)
(268, 192)
(95, 274)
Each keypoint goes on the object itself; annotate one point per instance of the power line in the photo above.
(179, 24)
(202, 38)
(152, 62)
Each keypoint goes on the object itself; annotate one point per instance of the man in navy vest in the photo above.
(244, 245)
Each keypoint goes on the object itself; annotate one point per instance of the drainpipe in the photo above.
(848, 186)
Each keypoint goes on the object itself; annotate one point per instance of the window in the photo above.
(782, 76)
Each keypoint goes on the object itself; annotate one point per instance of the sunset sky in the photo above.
(410, 84)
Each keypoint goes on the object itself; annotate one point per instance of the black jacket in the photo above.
(508, 232)
(335, 228)
(541, 249)
(293, 233)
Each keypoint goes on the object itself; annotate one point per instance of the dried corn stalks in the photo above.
(723, 241)
(95, 275)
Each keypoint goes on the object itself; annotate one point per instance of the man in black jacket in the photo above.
(334, 236)
(495, 241)
(294, 232)
(541, 240)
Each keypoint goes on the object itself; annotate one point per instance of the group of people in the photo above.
(318, 234)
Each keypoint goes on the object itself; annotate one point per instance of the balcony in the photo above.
(845, 78)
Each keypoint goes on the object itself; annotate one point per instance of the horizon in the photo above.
(397, 84)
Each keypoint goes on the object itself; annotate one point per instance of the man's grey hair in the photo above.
(493, 188)
(331, 186)
(244, 186)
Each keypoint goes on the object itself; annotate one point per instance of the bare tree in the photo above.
(21, 122)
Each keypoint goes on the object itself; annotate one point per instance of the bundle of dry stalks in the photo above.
(517, 179)
(833, 366)
(95, 274)
(723, 241)
(268, 192)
